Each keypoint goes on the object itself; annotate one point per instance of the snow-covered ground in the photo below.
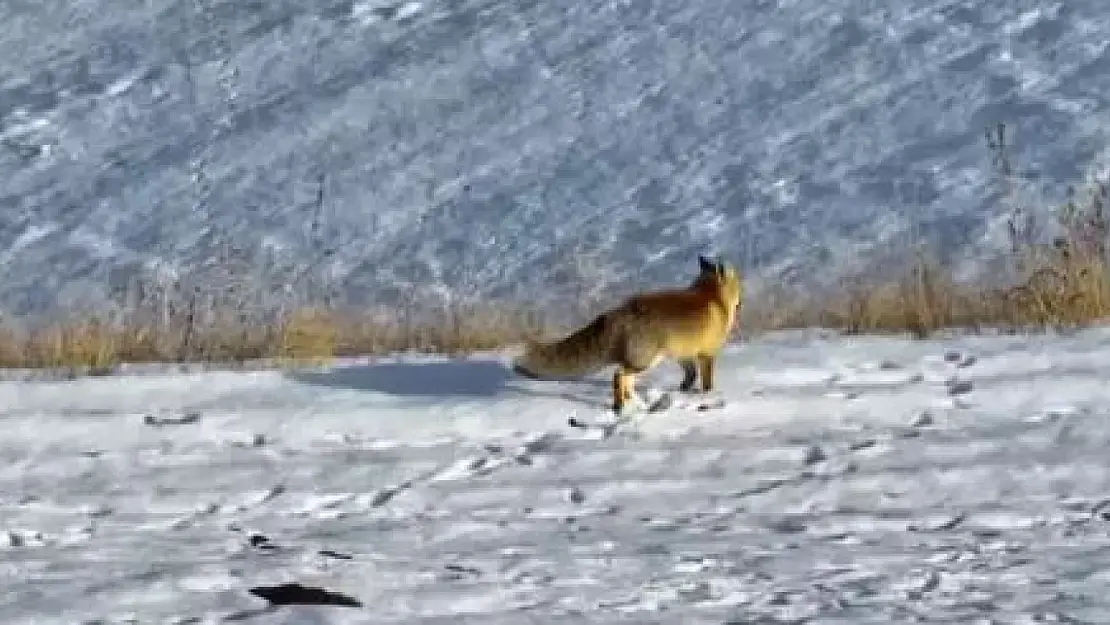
(847, 481)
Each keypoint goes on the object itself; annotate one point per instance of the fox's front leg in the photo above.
(705, 369)
(689, 375)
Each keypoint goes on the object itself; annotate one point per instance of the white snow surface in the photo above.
(845, 480)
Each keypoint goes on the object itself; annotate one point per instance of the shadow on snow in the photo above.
(462, 379)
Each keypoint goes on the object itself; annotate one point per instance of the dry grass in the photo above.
(1059, 289)
(1062, 286)
(304, 336)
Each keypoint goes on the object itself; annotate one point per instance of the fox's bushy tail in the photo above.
(584, 351)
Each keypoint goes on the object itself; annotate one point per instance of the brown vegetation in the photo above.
(1063, 287)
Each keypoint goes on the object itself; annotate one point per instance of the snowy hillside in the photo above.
(843, 481)
(481, 145)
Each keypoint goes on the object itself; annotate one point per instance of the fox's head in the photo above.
(723, 278)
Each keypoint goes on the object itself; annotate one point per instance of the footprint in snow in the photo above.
(925, 419)
(814, 455)
(959, 359)
(187, 418)
(959, 387)
(297, 594)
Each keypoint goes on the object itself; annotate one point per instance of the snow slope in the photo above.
(480, 146)
(845, 481)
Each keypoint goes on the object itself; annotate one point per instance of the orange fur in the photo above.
(689, 325)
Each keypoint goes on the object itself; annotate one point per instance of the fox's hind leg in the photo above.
(705, 366)
(632, 363)
(623, 382)
(689, 375)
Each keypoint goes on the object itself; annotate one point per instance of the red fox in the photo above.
(689, 325)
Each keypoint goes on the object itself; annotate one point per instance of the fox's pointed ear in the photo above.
(706, 265)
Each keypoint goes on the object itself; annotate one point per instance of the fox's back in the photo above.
(681, 321)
